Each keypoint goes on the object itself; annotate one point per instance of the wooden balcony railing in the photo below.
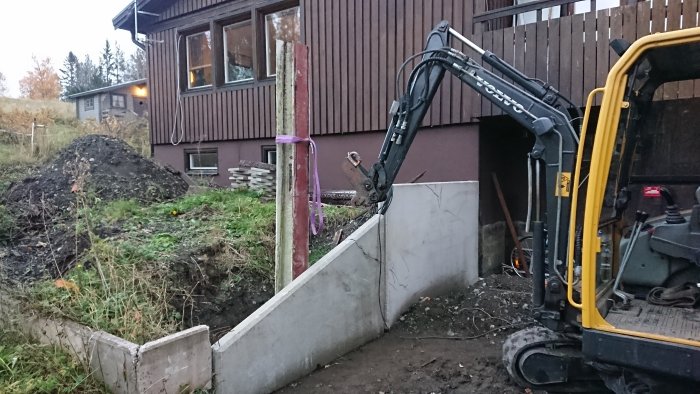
(572, 52)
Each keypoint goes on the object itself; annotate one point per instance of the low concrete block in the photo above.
(71, 336)
(178, 363)
(327, 311)
(113, 360)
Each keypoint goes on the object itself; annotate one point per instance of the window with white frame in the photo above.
(89, 104)
(281, 25)
(202, 161)
(199, 70)
(118, 101)
(269, 154)
(238, 52)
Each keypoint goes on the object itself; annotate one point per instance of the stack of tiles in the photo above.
(263, 180)
(240, 177)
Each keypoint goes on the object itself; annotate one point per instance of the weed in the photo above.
(27, 367)
(122, 298)
(7, 225)
(120, 210)
(127, 283)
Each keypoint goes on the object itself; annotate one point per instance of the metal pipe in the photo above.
(640, 219)
(464, 40)
(529, 194)
(625, 258)
(135, 32)
(537, 263)
(537, 189)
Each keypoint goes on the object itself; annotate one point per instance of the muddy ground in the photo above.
(449, 344)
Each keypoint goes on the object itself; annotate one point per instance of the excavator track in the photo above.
(539, 358)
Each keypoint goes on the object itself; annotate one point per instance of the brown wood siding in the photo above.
(357, 46)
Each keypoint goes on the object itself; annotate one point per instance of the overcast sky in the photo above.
(51, 28)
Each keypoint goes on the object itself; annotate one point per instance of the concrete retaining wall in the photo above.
(425, 245)
(431, 242)
(178, 363)
(327, 311)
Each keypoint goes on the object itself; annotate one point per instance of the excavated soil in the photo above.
(44, 205)
(449, 344)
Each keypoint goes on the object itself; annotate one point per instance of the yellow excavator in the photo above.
(616, 249)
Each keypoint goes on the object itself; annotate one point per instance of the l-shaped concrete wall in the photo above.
(425, 245)
(174, 364)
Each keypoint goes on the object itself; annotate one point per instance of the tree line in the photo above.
(79, 75)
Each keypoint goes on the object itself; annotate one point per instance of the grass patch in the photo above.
(125, 283)
(62, 109)
(27, 367)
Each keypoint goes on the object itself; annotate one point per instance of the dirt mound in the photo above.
(96, 167)
(97, 164)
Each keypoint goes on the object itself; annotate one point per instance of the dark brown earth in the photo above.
(45, 206)
(449, 344)
(211, 299)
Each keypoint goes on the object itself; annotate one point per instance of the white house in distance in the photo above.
(123, 100)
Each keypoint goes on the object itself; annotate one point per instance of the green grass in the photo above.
(28, 367)
(125, 283)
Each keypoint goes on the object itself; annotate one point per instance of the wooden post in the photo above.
(32, 143)
(292, 213)
(300, 247)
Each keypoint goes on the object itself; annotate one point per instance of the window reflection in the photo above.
(282, 25)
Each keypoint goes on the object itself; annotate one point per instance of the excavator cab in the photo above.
(637, 210)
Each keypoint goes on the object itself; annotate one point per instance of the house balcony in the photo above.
(566, 42)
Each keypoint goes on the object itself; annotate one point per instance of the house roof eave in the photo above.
(106, 89)
(125, 18)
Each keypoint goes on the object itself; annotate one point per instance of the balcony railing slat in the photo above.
(673, 22)
(481, 15)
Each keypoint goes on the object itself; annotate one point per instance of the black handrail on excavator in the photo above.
(533, 104)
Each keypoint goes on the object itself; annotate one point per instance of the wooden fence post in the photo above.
(32, 143)
(292, 202)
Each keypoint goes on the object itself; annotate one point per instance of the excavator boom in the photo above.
(536, 106)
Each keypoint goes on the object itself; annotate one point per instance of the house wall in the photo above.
(353, 63)
(89, 114)
(133, 105)
(356, 47)
(446, 154)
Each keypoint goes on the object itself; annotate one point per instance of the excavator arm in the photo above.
(533, 104)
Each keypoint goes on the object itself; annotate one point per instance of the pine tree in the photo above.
(107, 64)
(137, 66)
(3, 85)
(119, 64)
(88, 75)
(69, 75)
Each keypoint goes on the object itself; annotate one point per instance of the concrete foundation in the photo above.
(425, 245)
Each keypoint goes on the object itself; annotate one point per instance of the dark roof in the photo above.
(125, 19)
(107, 89)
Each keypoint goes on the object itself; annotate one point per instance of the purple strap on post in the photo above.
(316, 207)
